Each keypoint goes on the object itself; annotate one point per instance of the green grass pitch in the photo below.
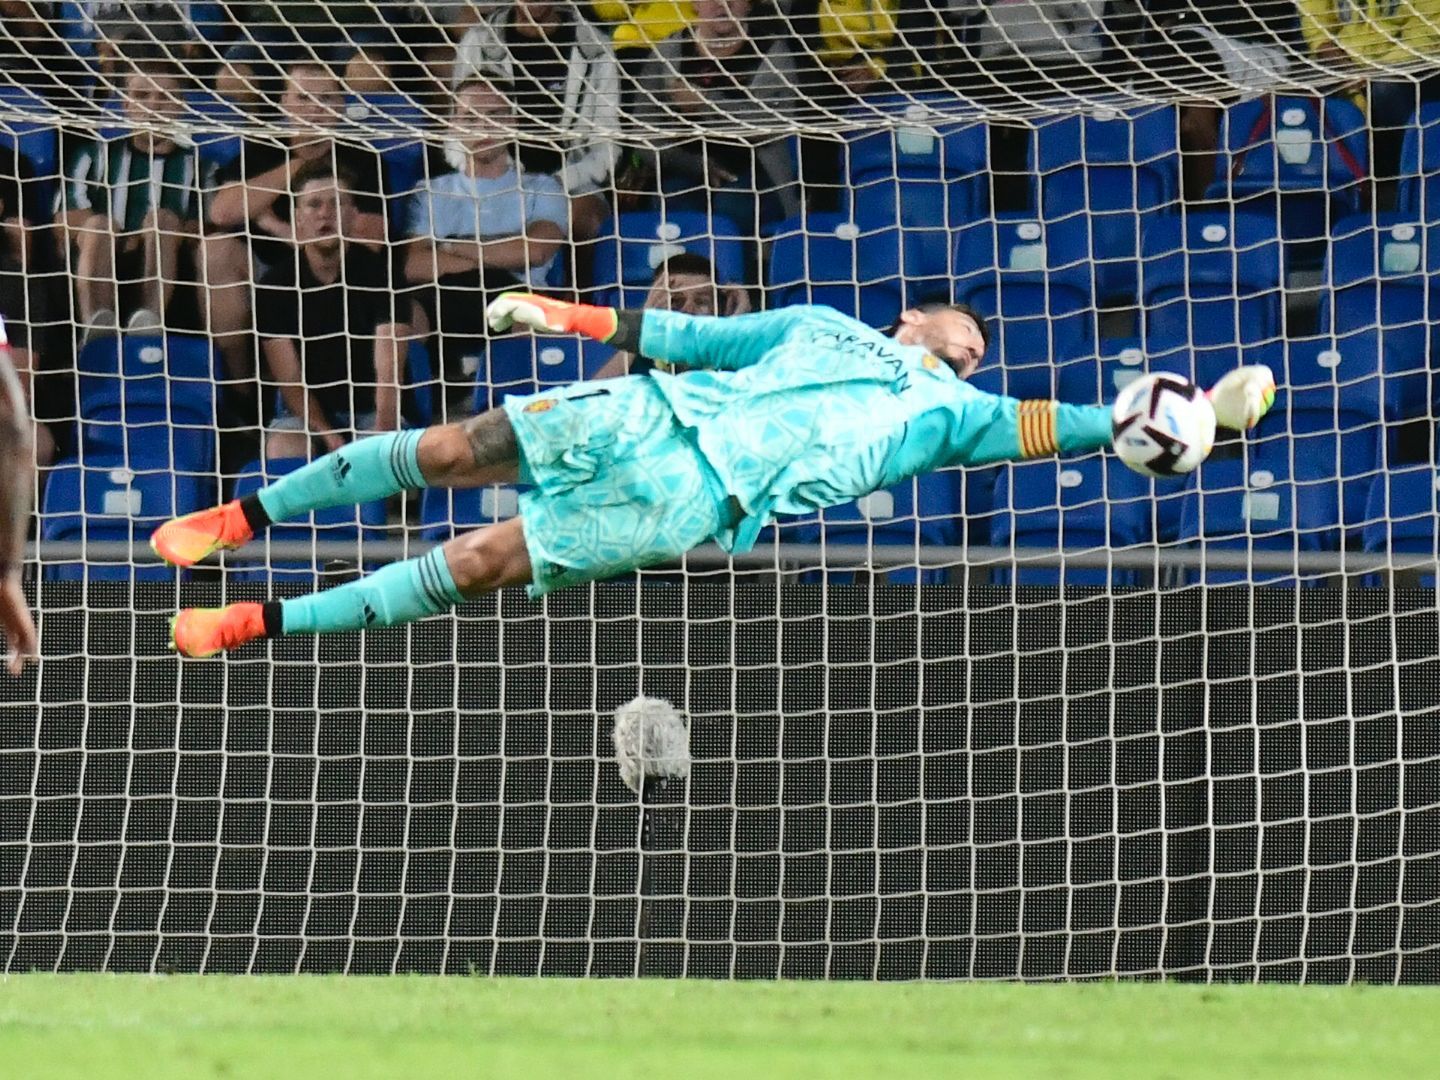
(98, 1027)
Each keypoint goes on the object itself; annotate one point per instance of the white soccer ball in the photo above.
(1163, 425)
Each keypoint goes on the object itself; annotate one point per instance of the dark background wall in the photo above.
(890, 782)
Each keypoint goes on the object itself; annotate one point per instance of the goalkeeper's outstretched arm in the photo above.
(991, 428)
(666, 337)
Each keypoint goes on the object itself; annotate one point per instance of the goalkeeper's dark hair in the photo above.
(931, 306)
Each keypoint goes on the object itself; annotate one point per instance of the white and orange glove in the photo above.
(1243, 396)
(550, 316)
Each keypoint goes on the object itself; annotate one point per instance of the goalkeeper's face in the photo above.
(951, 335)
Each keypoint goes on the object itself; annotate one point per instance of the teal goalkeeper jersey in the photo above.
(802, 408)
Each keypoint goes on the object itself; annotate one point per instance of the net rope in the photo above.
(1211, 755)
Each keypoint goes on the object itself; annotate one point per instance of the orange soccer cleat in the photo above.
(184, 541)
(201, 632)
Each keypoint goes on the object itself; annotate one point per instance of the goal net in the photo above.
(1041, 720)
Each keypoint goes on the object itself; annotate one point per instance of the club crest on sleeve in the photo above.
(931, 363)
(543, 405)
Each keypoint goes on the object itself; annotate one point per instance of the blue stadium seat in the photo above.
(221, 145)
(445, 512)
(1211, 292)
(925, 511)
(1419, 192)
(1111, 169)
(1311, 154)
(1375, 295)
(910, 226)
(1329, 394)
(137, 389)
(1077, 503)
(337, 523)
(892, 162)
(594, 355)
(38, 141)
(1401, 515)
(114, 500)
(526, 364)
(1034, 280)
(1251, 497)
(631, 247)
(826, 259)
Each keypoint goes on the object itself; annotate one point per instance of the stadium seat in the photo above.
(1374, 295)
(1419, 193)
(38, 142)
(337, 523)
(631, 247)
(1074, 503)
(925, 511)
(1034, 280)
(1211, 291)
(114, 500)
(1111, 169)
(136, 388)
(826, 259)
(911, 227)
(1248, 497)
(525, 364)
(1310, 156)
(444, 512)
(896, 160)
(1401, 515)
(1329, 395)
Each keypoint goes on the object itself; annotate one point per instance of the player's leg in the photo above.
(465, 567)
(477, 452)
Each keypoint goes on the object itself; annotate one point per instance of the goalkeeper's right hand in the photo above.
(551, 316)
(1243, 396)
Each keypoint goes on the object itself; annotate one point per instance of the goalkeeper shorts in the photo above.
(618, 482)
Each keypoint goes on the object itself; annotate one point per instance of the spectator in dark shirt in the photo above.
(733, 66)
(248, 212)
(327, 324)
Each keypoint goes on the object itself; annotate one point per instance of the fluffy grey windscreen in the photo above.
(651, 739)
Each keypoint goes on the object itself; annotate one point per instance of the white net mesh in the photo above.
(1039, 720)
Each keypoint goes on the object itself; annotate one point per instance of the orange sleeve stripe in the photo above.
(1038, 436)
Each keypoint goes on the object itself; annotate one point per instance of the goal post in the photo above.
(1040, 720)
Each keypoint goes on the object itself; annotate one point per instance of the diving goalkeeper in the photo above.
(780, 412)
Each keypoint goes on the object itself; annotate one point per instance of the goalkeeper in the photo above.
(790, 411)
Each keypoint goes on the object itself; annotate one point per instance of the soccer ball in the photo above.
(1162, 425)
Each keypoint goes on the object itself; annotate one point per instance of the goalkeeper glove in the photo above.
(1243, 396)
(553, 316)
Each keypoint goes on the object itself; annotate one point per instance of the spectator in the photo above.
(131, 204)
(685, 283)
(1372, 36)
(488, 224)
(327, 324)
(565, 81)
(249, 226)
(734, 66)
(34, 55)
(23, 288)
(1209, 47)
(412, 52)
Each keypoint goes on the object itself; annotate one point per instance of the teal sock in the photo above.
(399, 593)
(367, 469)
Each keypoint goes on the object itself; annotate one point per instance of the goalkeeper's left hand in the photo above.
(1243, 396)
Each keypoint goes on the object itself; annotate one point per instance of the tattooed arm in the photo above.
(17, 478)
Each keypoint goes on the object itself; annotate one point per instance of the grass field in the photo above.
(97, 1027)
